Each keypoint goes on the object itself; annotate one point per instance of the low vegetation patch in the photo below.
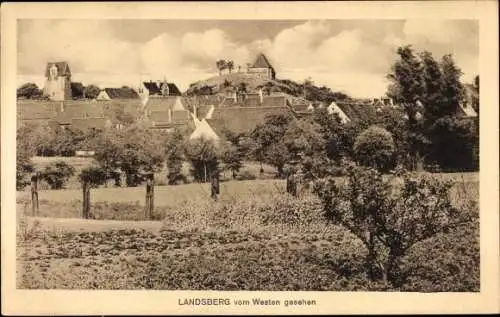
(276, 245)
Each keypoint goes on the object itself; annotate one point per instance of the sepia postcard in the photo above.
(249, 158)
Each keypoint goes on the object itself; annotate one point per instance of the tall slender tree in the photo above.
(452, 88)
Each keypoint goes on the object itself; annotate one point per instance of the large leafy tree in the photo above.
(174, 151)
(142, 153)
(134, 151)
(202, 154)
(452, 89)
(408, 89)
(337, 136)
(432, 100)
(108, 153)
(267, 137)
(375, 148)
(306, 149)
(232, 158)
(407, 81)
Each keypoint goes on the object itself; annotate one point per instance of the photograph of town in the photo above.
(248, 155)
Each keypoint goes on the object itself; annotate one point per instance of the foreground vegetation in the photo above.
(273, 242)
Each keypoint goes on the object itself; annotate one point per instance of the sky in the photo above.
(352, 56)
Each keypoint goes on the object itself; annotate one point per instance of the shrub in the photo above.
(374, 147)
(448, 262)
(387, 219)
(301, 211)
(57, 174)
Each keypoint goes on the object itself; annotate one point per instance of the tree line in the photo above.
(313, 146)
(78, 91)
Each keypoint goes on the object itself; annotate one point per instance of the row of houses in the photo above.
(160, 105)
(206, 116)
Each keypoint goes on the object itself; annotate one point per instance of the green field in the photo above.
(255, 237)
(250, 170)
(166, 195)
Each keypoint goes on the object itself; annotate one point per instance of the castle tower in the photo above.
(263, 68)
(58, 81)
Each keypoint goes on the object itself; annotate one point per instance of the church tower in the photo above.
(58, 81)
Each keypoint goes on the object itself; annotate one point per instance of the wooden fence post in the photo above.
(149, 205)
(86, 199)
(291, 185)
(34, 194)
(215, 189)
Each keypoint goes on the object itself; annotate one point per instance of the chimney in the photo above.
(261, 96)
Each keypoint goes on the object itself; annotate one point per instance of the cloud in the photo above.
(344, 55)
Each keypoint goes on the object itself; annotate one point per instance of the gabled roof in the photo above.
(172, 89)
(175, 119)
(37, 110)
(205, 130)
(80, 110)
(152, 87)
(241, 119)
(62, 69)
(121, 93)
(155, 89)
(129, 106)
(357, 111)
(165, 103)
(333, 108)
(262, 62)
(159, 116)
(98, 123)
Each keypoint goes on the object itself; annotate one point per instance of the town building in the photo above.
(262, 68)
(117, 93)
(158, 89)
(58, 81)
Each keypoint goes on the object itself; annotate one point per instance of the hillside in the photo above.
(234, 79)
(223, 83)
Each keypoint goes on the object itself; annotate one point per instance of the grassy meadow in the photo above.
(255, 237)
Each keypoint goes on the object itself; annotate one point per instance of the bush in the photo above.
(448, 262)
(303, 211)
(374, 147)
(57, 174)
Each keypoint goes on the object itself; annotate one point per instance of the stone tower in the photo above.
(58, 81)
